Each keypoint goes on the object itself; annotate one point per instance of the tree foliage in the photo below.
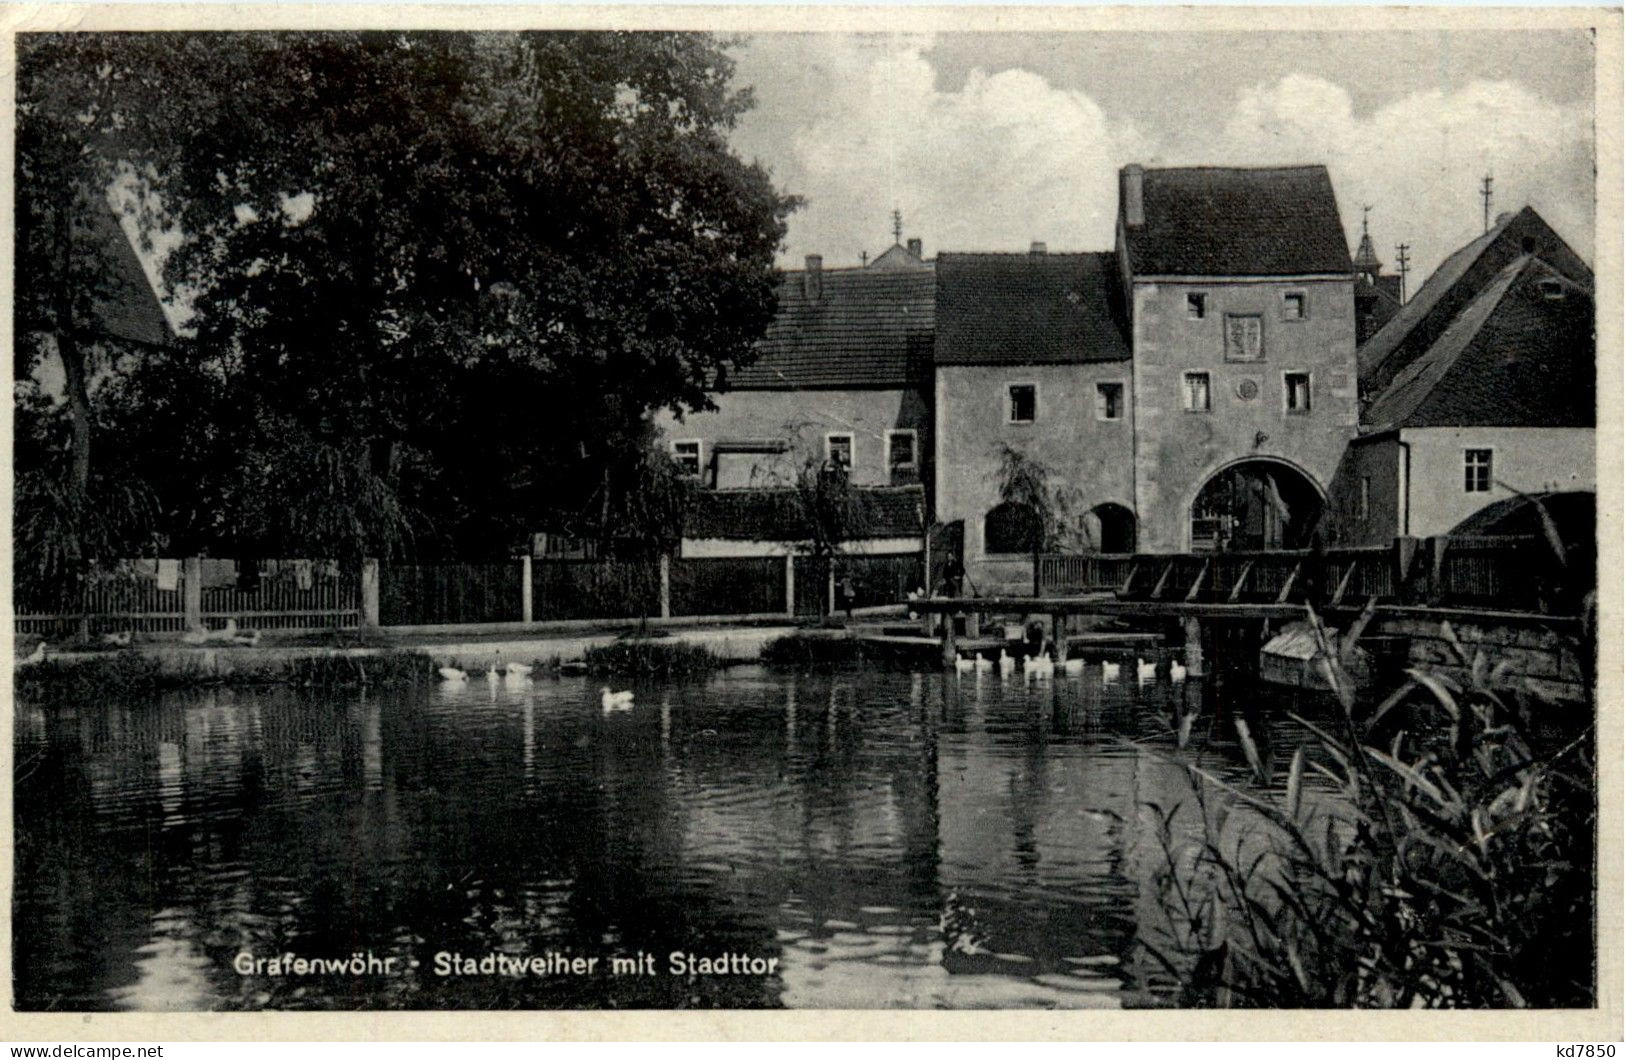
(438, 281)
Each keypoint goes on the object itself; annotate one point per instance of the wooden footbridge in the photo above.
(1514, 580)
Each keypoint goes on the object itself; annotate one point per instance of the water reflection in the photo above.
(889, 839)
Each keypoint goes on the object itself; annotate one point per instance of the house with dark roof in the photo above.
(1032, 355)
(1239, 291)
(841, 377)
(1501, 403)
(1459, 279)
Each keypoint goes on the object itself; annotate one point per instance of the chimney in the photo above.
(1038, 248)
(812, 283)
(916, 248)
(1133, 191)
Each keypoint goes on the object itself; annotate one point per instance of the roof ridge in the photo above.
(1235, 169)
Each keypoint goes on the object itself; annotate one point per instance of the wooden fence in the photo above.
(728, 586)
(170, 596)
(449, 593)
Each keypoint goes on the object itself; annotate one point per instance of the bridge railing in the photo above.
(1510, 573)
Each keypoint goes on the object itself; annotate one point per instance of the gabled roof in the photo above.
(124, 306)
(1522, 354)
(1029, 309)
(779, 515)
(1458, 279)
(1216, 221)
(898, 256)
(866, 329)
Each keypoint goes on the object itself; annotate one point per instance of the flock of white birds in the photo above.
(1042, 667)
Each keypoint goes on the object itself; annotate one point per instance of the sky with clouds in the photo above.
(992, 141)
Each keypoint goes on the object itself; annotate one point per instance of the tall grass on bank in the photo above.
(1453, 867)
(130, 673)
(639, 657)
(810, 649)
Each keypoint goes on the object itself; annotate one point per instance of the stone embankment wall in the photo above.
(1544, 659)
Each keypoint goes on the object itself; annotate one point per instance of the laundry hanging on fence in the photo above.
(304, 572)
(169, 575)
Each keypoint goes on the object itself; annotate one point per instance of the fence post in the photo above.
(1403, 558)
(1436, 550)
(192, 591)
(524, 589)
(369, 594)
(665, 586)
(790, 584)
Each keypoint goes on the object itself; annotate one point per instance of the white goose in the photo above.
(983, 664)
(964, 664)
(1145, 671)
(1110, 671)
(1176, 671)
(1041, 666)
(518, 671)
(1073, 667)
(614, 700)
(451, 673)
(1007, 663)
(35, 656)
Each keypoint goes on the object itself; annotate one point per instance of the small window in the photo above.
(687, 456)
(1108, 401)
(1243, 337)
(900, 454)
(1198, 396)
(1196, 305)
(838, 449)
(1362, 508)
(1294, 305)
(1297, 393)
(1479, 468)
(1023, 402)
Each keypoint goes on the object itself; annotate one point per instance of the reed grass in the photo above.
(1453, 866)
(810, 649)
(643, 657)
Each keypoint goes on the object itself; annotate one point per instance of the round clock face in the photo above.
(1247, 389)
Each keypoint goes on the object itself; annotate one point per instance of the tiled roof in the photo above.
(1029, 309)
(779, 515)
(1214, 221)
(1522, 354)
(868, 328)
(125, 305)
(1431, 308)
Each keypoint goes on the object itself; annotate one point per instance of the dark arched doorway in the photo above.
(1255, 505)
(1114, 528)
(1011, 529)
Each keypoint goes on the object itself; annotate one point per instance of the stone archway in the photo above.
(1255, 504)
(1113, 527)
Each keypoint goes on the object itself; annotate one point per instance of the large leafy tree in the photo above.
(438, 281)
(463, 268)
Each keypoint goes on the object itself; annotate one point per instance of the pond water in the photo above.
(859, 838)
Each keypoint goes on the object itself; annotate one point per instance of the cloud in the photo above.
(858, 124)
(858, 129)
(1419, 159)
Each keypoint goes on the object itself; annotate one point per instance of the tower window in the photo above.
(1294, 305)
(1023, 402)
(1198, 394)
(1196, 305)
(1297, 392)
(1108, 401)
